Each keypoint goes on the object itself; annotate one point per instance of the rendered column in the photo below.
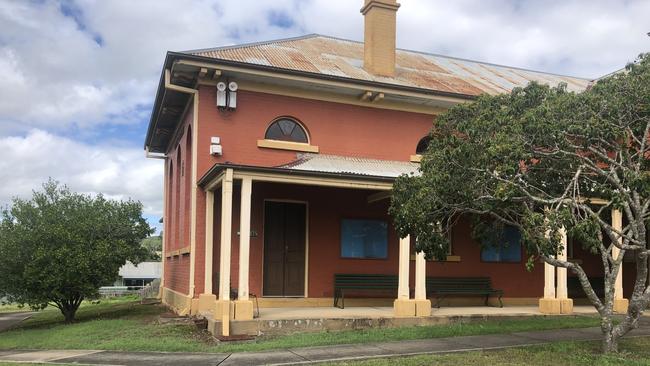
(243, 305)
(223, 310)
(620, 303)
(207, 298)
(549, 304)
(566, 304)
(403, 306)
(422, 304)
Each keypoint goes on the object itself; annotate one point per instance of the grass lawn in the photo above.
(633, 351)
(124, 324)
(11, 308)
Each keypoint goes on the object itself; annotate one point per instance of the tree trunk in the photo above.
(69, 310)
(610, 343)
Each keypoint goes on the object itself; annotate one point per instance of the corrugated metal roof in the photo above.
(344, 58)
(351, 165)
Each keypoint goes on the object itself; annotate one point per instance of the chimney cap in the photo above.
(386, 4)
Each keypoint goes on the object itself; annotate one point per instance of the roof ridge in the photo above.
(253, 44)
(317, 35)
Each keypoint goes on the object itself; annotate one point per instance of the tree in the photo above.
(153, 247)
(59, 247)
(537, 159)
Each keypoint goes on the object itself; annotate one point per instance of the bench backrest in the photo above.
(482, 283)
(365, 280)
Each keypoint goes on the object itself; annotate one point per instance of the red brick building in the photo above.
(296, 142)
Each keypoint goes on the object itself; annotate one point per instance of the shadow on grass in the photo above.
(119, 308)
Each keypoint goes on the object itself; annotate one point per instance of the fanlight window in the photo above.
(286, 129)
(423, 144)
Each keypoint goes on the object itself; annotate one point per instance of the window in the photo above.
(506, 248)
(286, 129)
(423, 144)
(364, 239)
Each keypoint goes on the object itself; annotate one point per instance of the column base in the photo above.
(404, 308)
(194, 306)
(566, 306)
(621, 305)
(207, 302)
(422, 307)
(224, 308)
(550, 306)
(243, 310)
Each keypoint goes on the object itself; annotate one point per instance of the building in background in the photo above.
(279, 160)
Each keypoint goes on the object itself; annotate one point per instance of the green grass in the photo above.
(633, 351)
(11, 308)
(123, 324)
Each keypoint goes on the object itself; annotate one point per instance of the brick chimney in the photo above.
(379, 36)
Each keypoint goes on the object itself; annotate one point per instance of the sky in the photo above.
(78, 78)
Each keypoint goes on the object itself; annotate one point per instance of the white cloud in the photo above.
(99, 71)
(117, 172)
(59, 74)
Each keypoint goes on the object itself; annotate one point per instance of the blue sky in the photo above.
(79, 77)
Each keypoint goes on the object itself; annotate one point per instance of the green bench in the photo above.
(362, 282)
(440, 287)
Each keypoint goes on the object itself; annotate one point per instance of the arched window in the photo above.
(286, 129)
(423, 144)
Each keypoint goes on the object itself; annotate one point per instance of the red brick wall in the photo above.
(177, 273)
(177, 225)
(337, 129)
(326, 208)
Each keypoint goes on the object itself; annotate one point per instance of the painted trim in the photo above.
(319, 79)
(195, 136)
(295, 302)
(325, 96)
(416, 158)
(306, 203)
(209, 243)
(315, 181)
(179, 302)
(293, 119)
(287, 145)
(193, 224)
(450, 258)
(179, 252)
(165, 222)
(212, 174)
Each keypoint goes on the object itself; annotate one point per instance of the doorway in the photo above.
(284, 248)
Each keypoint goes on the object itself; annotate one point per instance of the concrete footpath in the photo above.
(313, 355)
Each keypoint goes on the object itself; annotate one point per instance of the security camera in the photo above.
(221, 94)
(232, 95)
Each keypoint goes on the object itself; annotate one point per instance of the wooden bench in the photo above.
(462, 286)
(344, 282)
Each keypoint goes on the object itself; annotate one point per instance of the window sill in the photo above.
(450, 258)
(416, 158)
(287, 145)
(178, 252)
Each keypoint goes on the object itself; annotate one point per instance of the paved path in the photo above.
(313, 355)
(8, 320)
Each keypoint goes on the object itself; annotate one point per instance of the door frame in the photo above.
(306, 203)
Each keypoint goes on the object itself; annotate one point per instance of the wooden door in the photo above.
(284, 248)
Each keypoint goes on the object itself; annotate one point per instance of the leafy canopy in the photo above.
(538, 159)
(59, 247)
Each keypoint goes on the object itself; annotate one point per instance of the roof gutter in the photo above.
(219, 167)
(173, 57)
(318, 76)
